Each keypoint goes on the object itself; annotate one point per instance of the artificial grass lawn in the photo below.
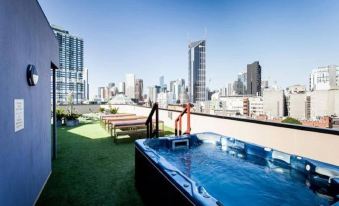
(91, 170)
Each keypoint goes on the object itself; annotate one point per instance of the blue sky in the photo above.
(149, 38)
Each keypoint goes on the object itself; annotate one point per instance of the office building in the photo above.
(183, 97)
(163, 99)
(197, 71)
(103, 93)
(111, 84)
(130, 86)
(179, 88)
(254, 79)
(298, 105)
(255, 106)
(121, 87)
(139, 86)
(264, 85)
(240, 85)
(69, 76)
(112, 90)
(171, 85)
(296, 89)
(324, 78)
(223, 91)
(162, 82)
(230, 90)
(232, 105)
(153, 93)
(273, 103)
(324, 103)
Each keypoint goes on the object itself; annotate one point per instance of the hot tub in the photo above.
(211, 169)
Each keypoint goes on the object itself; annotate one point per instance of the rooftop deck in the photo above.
(91, 169)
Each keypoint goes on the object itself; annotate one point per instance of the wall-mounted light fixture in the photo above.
(32, 75)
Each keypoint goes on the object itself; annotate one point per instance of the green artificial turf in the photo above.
(91, 170)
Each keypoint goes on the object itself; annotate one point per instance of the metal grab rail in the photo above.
(178, 120)
(149, 122)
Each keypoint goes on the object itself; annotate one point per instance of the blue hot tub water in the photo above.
(236, 173)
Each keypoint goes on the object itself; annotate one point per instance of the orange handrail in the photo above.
(187, 110)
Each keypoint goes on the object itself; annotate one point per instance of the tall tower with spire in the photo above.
(197, 71)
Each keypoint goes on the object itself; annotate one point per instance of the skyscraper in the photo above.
(324, 78)
(121, 87)
(130, 86)
(69, 76)
(103, 93)
(179, 88)
(197, 71)
(153, 93)
(139, 86)
(254, 78)
(239, 86)
(161, 81)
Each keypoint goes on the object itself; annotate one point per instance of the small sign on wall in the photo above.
(19, 119)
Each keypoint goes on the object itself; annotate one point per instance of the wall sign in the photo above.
(19, 118)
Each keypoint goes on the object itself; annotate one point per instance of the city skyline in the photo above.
(292, 40)
(185, 112)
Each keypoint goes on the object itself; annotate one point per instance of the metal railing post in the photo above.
(178, 120)
(157, 121)
(149, 122)
(188, 110)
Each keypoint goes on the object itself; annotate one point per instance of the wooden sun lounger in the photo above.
(103, 118)
(115, 115)
(130, 127)
(108, 122)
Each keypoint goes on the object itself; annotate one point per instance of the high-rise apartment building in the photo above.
(197, 71)
(69, 76)
(139, 86)
(254, 79)
(130, 86)
(324, 78)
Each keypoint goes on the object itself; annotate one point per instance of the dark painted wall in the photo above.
(25, 156)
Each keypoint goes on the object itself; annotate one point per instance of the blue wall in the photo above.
(25, 156)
